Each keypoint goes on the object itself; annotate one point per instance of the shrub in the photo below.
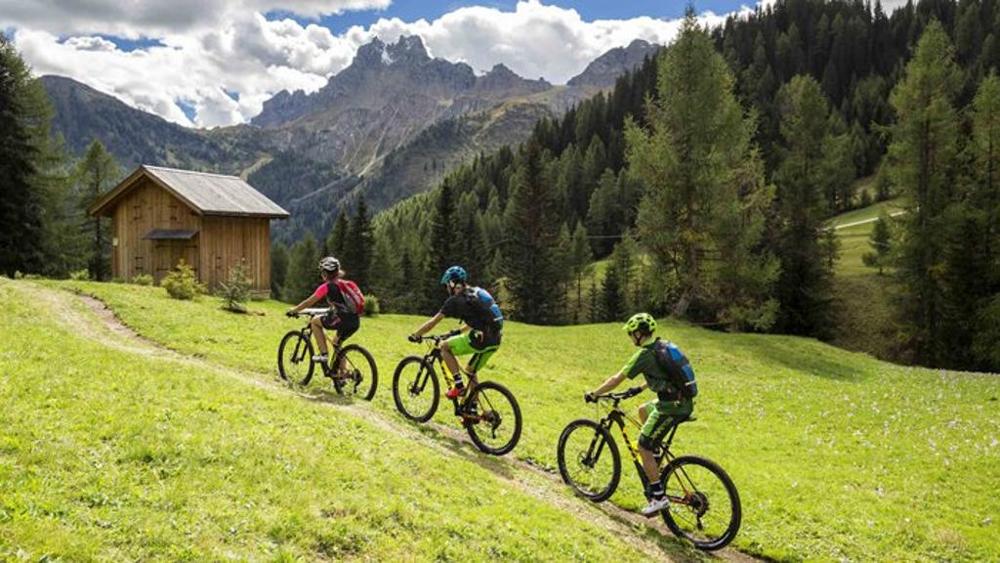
(143, 279)
(80, 275)
(235, 291)
(372, 307)
(181, 283)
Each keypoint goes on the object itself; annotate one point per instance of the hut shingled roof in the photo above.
(206, 193)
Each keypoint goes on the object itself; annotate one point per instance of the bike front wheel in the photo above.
(704, 504)
(492, 418)
(359, 375)
(295, 354)
(415, 389)
(589, 460)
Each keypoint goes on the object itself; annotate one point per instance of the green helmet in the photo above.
(640, 321)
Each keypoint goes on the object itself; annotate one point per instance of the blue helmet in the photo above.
(454, 273)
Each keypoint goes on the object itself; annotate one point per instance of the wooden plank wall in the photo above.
(220, 244)
(147, 207)
(227, 240)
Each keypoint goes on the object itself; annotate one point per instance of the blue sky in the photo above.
(409, 10)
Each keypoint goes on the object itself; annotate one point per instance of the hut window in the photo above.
(136, 211)
(173, 212)
(138, 264)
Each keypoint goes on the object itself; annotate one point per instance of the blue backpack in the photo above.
(677, 367)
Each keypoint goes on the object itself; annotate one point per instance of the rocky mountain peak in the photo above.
(604, 70)
(502, 80)
(408, 49)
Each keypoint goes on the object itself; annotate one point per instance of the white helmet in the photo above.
(329, 264)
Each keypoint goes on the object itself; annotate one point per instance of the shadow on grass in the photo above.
(799, 354)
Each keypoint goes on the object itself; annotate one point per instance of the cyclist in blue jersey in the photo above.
(481, 334)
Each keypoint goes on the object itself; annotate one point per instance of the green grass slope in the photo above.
(114, 450)
(836, 455)
(864, 320)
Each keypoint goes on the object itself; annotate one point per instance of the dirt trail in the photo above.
(91, 318)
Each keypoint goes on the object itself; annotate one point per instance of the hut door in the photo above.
(169, 253)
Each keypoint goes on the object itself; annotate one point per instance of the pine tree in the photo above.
(441, 254)
(804, 285)
(984, 206)
(21, 202)
(985, 149)
(358, 251)
(701, 216)
(580, 258)
(880, 241)
(383, 271)
(303, 275)
(337, 241)
(96, 174)
(532, 262)
(404, 290)
(279, 269)
(603, 218)
(623, 263)
(611, 304)
(921, 158)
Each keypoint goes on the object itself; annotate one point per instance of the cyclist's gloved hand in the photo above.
(634, 391)
(589, 397)
(413, 338)
(291, 313)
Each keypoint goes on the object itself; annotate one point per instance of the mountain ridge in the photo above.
(315, 153)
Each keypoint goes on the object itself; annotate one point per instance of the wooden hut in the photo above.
(161, 215)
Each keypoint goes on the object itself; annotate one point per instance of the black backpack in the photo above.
(677, 366)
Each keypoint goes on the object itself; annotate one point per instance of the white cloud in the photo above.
(535, 40)
(153, 18)
(210, 47)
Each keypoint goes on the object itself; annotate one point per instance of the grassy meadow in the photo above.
(112, 450)
(864, 317)
(836, 455)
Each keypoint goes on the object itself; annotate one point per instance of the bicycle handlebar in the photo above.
(627, 394)
(436, 338)
(312, 312)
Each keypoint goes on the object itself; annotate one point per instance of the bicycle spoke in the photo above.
(491, 416)
(700, 503)
(415, 389)
(587, 461)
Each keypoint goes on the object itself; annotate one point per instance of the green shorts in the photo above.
(660, 416)
(472, 343)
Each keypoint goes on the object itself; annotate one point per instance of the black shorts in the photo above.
(485, 338)
(345, 325)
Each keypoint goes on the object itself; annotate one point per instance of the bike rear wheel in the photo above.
(295, 354)
(589, 460)
(704, 504)
(415, 389)
(495, 428)
(361, 374)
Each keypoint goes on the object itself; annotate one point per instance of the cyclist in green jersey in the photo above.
(657, 415)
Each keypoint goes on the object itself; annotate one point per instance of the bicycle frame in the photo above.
(434, 357)
(616, 415)
(298, 354)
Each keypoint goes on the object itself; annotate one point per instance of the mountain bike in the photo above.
(704, 504)
(489, 412)
(358, 377)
